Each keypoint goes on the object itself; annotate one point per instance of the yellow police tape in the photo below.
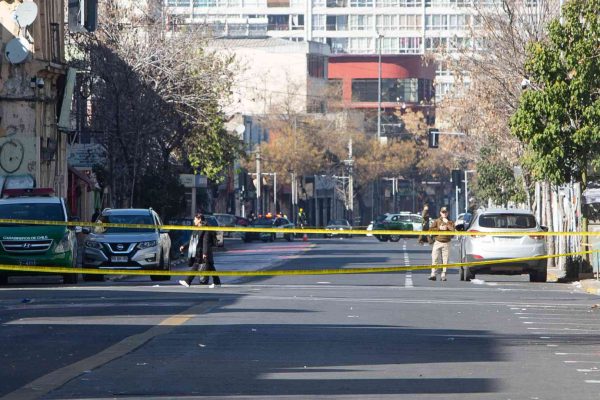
(337, 271)
(296, 230)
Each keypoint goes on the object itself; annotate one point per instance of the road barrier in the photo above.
(295, 230)
(337, 271)
(116, 271)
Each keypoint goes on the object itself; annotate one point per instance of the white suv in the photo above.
(498, 247)
(128, 248)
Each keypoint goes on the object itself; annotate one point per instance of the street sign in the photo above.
(191, 181)
(433, 136)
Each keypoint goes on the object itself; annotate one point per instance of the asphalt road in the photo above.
(379, 336)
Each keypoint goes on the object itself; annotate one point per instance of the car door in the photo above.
(279, 224)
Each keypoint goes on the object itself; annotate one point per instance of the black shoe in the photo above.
(432, 278)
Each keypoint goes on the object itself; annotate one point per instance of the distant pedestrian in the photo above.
(424, 239)
(441, 245)
(95, 215)
(302, 220)
(200, 253)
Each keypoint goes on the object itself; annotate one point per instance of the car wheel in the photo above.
(382, 238)
(162, 267)
(394, 238)
(538, 276)
(469, 274)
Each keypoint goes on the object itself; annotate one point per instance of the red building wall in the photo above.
(347, 67)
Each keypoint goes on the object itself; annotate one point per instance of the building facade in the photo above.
(33, 74)
(348, 26)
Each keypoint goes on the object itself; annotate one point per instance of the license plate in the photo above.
(27, 262)
(119, 259)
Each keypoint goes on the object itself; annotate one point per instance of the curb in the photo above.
(591, 286)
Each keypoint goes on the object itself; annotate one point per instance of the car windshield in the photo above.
(507, 221)
(136, 219)
(381, 217)
(338, 222)
(225, 219)
(262, 222)
(34, 211)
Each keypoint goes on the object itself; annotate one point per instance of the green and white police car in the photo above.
(35, 245)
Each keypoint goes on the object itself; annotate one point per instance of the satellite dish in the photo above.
(26, 13)
(16, 50)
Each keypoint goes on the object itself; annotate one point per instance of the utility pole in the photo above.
(379, 37)
(258, 182)
(350, 163)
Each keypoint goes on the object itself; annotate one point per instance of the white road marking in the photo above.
(591, 381)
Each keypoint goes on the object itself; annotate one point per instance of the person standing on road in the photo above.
(200, 254)
(423, 239)
(441, 245)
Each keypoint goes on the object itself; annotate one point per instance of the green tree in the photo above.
(558, 118)
(496, 180)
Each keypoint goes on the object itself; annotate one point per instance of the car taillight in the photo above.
(475, 236)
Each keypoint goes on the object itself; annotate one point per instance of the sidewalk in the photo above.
(591, 286)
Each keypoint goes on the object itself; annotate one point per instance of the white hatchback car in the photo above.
(498, 247)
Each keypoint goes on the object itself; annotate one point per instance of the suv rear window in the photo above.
(34, 211)
(507, 221)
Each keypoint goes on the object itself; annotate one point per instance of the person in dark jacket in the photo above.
(441, 246)
(200, 253)
(424, 239)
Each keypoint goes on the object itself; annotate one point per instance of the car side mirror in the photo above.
(544, 228)
(460, 227)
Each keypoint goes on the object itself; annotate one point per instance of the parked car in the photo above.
(487, 248)
(128, 248)
(404, 221)
(337, 226)
(278, 222)
(226, 220)
(211, 220)
(27, 244)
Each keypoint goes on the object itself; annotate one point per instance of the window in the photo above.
(178, 3)
(278, 22)
(205, 3)
(361, 45)
(361, 3)
(319, 22)
(338, 45)
(448, 3)
(361, 22)
(316, 65)
(278, 3)
(410, 45)
(387, 22)
(392, 90)
(409, 22)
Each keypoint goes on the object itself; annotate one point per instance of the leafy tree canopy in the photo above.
(558, 118)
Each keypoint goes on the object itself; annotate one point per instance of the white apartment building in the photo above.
(348, 26)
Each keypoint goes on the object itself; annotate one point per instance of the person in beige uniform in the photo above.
(441, 245)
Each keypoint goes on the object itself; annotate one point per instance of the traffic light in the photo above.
(433, 136)
(456, 177)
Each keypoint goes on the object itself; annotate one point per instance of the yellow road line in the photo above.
(54, 380)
